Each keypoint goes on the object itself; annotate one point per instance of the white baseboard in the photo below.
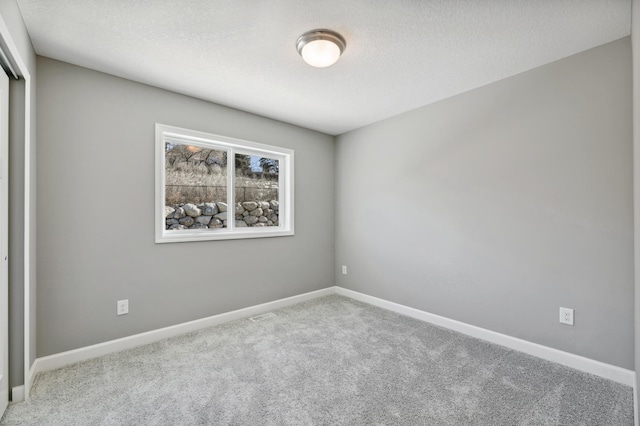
(58, 360)
(607, 371)
(17, 393)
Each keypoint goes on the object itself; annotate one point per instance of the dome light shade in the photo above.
(320, 48)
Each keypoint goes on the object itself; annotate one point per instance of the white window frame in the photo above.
(165, 133)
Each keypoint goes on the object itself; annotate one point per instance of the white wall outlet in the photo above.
(344, 269)
(122, 307)
(566, 316)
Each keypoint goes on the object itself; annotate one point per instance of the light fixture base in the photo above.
(320, 35)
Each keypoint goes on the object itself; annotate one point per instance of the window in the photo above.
(211, 187)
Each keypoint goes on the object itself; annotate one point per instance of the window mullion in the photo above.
(231, 189)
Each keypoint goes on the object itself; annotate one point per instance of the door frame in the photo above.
(4, 241)
(19, 63)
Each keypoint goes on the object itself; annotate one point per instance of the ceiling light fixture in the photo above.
(320, 48)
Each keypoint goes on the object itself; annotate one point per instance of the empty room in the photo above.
(314, 213)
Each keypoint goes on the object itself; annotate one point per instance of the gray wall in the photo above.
(96, 149)
(500, 205)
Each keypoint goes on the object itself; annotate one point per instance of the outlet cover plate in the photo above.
(122, 307)
(566, 316)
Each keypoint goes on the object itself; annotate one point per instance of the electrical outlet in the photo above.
(122, 307)
(344, 269)
(566, 316)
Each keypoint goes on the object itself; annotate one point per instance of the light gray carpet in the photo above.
(324, 362)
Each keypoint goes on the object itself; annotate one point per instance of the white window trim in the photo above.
(285, 226)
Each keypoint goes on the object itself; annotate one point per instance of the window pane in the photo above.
(195, 187)
(256, 187)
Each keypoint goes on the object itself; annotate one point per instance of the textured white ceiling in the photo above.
(401, 54)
